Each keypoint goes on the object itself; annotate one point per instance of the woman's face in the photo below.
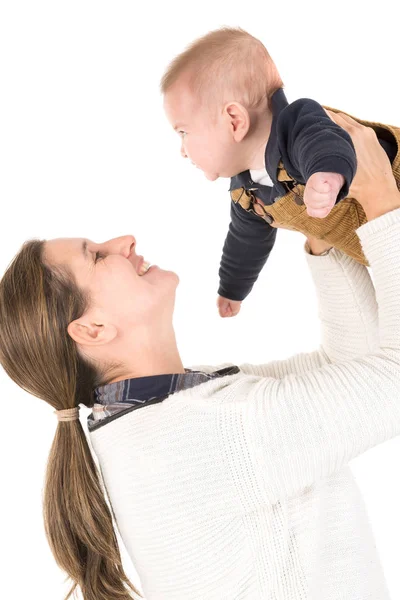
(121, 291)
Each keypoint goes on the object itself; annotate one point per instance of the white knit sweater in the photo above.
(239, 488)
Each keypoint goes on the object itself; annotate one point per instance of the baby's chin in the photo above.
(211, 176)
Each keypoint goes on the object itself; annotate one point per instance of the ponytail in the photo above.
(36, 305)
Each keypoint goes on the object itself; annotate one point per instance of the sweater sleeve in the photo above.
(310, 142)
(303, 428)
(247, 246)
(348, 315)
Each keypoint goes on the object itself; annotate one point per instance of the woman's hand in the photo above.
(317, 246)
(374, 185)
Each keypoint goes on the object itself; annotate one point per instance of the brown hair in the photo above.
(36, 305)
(227, 59)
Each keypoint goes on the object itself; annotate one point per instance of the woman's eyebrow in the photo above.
(84, 248)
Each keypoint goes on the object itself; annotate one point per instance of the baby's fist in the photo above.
(321, 192)
(228, 308)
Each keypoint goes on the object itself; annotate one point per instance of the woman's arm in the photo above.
(303, 428)
(347, 311)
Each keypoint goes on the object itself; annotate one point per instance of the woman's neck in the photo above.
(155, 353)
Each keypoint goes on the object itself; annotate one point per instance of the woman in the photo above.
(229, 483)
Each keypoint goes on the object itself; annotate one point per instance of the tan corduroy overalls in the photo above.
(338, 228)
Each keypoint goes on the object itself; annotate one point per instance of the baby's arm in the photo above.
(246, 249)
(316, 152)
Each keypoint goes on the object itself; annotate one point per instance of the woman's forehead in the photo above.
(61, 249)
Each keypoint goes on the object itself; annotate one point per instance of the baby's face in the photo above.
(206, 139)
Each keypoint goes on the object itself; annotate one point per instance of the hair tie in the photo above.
(67, 414)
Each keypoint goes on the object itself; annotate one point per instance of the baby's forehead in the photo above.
(180, 100)
(181, 89)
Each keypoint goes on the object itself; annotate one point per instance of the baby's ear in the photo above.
(238, 119)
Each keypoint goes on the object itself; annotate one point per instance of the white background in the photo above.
(85, 150)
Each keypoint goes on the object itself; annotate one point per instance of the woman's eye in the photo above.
(182, 133)
(98, 256)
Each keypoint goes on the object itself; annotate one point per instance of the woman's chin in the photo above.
(155, 273)
(173, 276)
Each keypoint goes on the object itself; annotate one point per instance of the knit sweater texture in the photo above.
(240, 488)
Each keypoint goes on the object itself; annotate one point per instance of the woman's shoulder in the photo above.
(230, 385)
(211, 368)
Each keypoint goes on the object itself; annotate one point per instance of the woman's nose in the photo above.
(123, 245)
(183, 152)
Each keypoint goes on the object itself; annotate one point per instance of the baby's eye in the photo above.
(98, 256)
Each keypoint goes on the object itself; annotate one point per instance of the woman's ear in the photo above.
(87, 333)
(238, 118)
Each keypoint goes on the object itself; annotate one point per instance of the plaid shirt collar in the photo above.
(123, 396)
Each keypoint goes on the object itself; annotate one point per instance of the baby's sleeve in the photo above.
(246, 249)
(310, 142)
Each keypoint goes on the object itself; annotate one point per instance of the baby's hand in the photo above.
(228, 308)
(321, 192)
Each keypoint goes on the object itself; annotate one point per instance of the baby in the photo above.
(290, 165)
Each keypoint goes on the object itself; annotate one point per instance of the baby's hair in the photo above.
(223, 65)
